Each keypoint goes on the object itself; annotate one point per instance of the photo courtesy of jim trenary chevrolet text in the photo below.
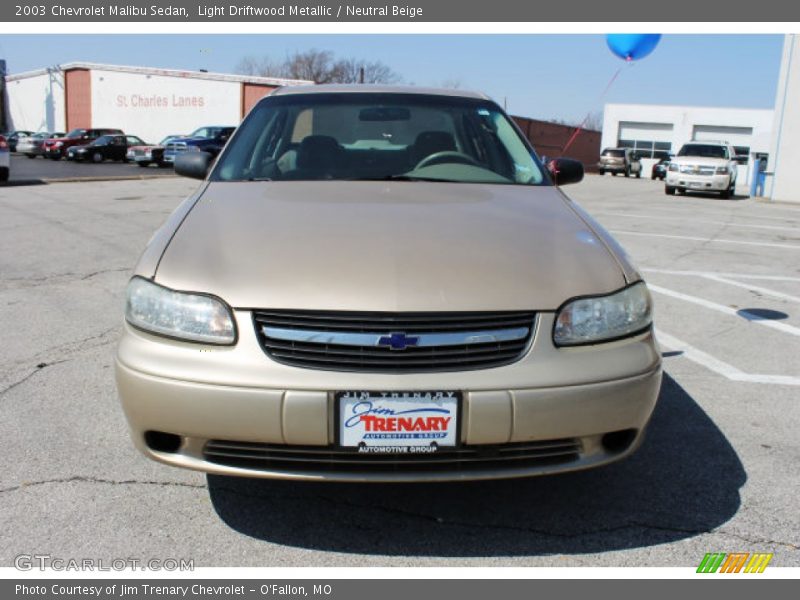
(430, 299)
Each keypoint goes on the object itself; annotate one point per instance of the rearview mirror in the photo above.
(565, 170)
(193, 164)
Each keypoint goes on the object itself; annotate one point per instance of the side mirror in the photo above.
(565, 170)
(193, 164)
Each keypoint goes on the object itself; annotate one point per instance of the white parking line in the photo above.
(723, 223)
(720, 367)
(753, 318)
(699, 239)
(754, 288)
(721, 274)
(794, 216)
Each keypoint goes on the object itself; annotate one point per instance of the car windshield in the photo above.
(76, 133)
(378, 136)
(103, 140)
(704, 151)
(614, 153)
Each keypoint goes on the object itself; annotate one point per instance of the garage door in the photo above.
(736, 136)
(649, 140)
(654, 132)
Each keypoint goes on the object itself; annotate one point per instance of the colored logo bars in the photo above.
(737, 562)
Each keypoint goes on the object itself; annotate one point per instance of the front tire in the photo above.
(728, 193)
(4, 174)
(628, 172)
(31, 155)
(97, 157)
(669, 190)
(143, 164)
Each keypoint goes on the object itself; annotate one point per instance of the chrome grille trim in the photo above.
(261, 456)
(351, 341)
(424, 340)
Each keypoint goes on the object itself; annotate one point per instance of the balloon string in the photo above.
(589, 114)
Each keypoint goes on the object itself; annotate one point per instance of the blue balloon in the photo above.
(632, 46)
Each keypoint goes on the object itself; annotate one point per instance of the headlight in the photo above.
(722, 170)
(591, 320)
(58, 144)
(673, 167)
(192, 317)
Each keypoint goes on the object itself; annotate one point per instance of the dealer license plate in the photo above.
(398, 422)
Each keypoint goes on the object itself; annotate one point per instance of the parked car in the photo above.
(619, 160)
(659, 170)
(14, 137)
(106, 147)
(56, 148)
(33, 145)
(5, 160)
(205, 139)
(394, 290)
(703, 167)
(144, 156)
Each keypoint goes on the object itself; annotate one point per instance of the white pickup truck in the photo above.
(703, 167)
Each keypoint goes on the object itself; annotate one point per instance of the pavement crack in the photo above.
(64, 352)
(11, 283)
(687, 531)
(88, 479)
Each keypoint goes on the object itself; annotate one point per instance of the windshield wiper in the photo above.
(404, 178)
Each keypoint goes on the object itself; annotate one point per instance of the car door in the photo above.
(117, 148)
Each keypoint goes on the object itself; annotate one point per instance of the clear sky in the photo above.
(540, 76)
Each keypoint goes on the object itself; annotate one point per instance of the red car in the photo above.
(56, 148)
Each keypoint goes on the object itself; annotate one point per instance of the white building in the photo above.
(784, 155)
(656, 130)
(150, 103)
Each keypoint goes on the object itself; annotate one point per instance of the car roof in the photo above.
(375, 89)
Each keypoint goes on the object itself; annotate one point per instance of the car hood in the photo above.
(401, 246)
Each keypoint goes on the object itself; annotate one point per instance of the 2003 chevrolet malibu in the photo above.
(384, 284)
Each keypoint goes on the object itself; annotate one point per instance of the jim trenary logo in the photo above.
(738, 562)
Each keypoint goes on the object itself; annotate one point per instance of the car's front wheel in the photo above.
(97, 157)
(729, 192)
(143, 164)
(4, 174)
(669, 190)
(31, 155)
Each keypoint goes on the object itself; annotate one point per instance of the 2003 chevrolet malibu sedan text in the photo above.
(384, 284)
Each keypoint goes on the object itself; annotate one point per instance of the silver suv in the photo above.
(619, 160)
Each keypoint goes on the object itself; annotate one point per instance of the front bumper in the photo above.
(611, 167)
(237, 394)
(715, 183)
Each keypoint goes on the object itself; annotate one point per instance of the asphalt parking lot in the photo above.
(27, 171)
(717, 472)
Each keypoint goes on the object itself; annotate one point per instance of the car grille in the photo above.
(175, 147)
(393, 342)
(277, 457)
(697, 170)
